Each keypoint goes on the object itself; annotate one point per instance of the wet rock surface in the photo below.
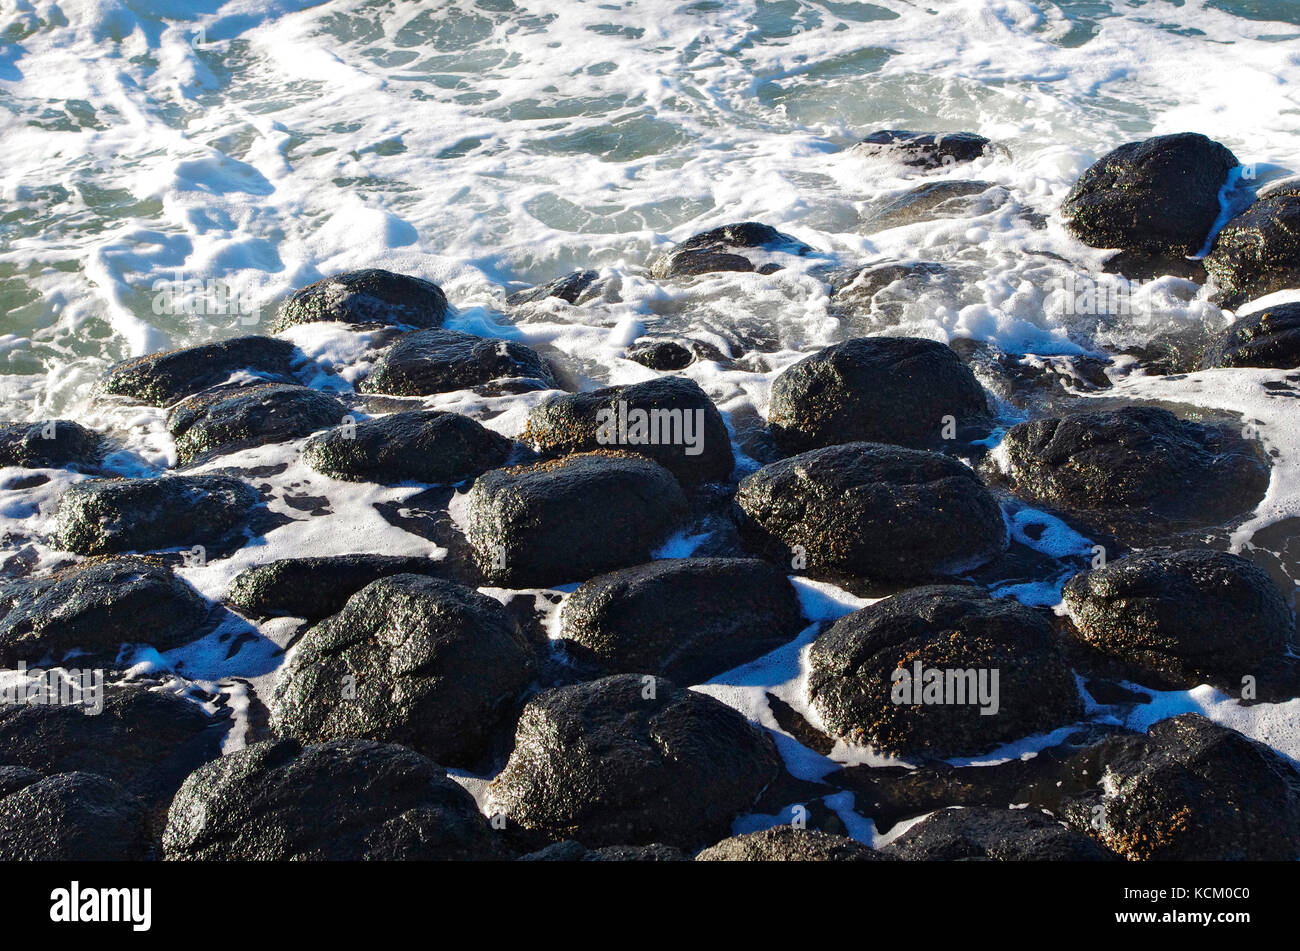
(999, 835)
(1130, 464)
(1267, 338)
(670, 420)
(345, 800)
(370, 296)
(1193, 790)
(623, 760)
(747, 246)
(570, 850)
(105, 516)
(571, 518)
(1187, 616)
(96, 606)
(671, 353)
(685, 619)
(896, 390)
(872, 510)
(573, 288)
(788, 844)
(1159, 196)
(923, 150)
(316, 587)
(228, 419)
(1258, 252)
(75, 816)
(442, 361)
(855, 666)
(421, 446)
(419, 661)
(161, 379)
(52, 444)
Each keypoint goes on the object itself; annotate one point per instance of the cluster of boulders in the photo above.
(879, 477)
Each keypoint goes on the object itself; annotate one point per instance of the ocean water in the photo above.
(496, 144)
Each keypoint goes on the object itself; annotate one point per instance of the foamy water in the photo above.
(492, 145)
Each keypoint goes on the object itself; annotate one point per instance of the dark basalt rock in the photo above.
(160, 379)
(232, 418)
(442, 361)
(687, 619)
(571, 518)
(788, 844)
(1258, 252)
(924, 150)
(52, 444)
(858, 288)
(746, 246)
(949, 627)
(998, 835)
(584, 422)
(1193, 790)
(1187, 615)
(570, 850)
(874, 511)
(414, 660)
(1267, 338)
(345, 800)
(147, 741)
(96, 606)
(1159, 196)
(631, 760)
(1135, 462)
(946, 199)
(105, 516)
(313, 588)
(895, 390)
(666, 354)
(77, 816)
(370, 296)
(422, 446)
(571, 288)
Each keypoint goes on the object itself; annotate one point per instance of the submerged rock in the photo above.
(1137, 461)
(990, 671)
(1193, 790)
(998, 835)
(147, 741)
(51, 444)
(747, 246)
(229, 419)
(1189, 616)
(345, 800)
(895, 390)
(945, 199)
(858, 288)
(924, 150)
(160, 379)
(871, 510)
(69, 817)
(414, 660)
(96, 606)
(571, 288)
(571, 518)
(687, 619)
(632, 760)
(1258, 252)
(670, 420)
(442, 361)
(788, 844)
(370, 296)
(313, 588)
(670, 353)
(1159, 196)
(104, 516)
(421, 446)
(1267, 338)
